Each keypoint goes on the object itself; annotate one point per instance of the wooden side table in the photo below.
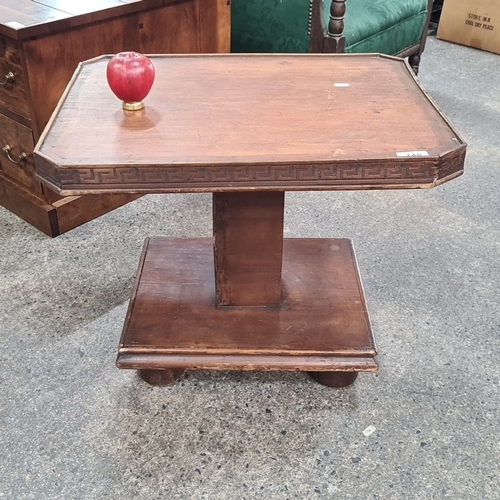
(248, 128)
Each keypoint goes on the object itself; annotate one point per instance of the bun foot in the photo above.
(161, 377)
(334, 379)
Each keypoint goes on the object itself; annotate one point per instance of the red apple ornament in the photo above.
(130, 76)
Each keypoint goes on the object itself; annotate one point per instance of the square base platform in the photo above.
(173, 322)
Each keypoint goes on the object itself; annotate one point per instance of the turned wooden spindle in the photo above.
(335, 40)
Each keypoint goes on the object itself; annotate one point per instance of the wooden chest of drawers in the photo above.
(41, 44)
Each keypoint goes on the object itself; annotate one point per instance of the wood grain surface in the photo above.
(23, 19)
(240, 122)
(248, 248)
(173, 322)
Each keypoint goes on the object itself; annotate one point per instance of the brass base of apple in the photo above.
(133, 106)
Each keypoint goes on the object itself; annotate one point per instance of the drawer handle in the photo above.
(23, 156)
(9, 78)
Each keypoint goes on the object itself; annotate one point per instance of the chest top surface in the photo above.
(20, 19)
(231, 122)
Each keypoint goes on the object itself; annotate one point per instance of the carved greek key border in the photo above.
(417, 171)
(451, 163)
(206, 176)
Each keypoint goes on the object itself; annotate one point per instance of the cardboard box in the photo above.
(475, 23)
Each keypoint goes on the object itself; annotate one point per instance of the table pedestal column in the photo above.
(248, 300)
(248, 248)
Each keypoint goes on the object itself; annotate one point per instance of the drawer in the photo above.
(20, 140)
(13, 95)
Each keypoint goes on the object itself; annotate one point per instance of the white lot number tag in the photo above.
(412, 153)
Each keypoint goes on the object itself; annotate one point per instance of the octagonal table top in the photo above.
(246, 122)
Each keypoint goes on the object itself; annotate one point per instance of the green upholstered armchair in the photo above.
(394, 27)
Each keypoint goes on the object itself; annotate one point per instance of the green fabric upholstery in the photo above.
(269, 26)
(386, 26)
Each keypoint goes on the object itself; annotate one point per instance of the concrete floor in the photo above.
(72, 426)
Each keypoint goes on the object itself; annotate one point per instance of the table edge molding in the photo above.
(361, 174)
